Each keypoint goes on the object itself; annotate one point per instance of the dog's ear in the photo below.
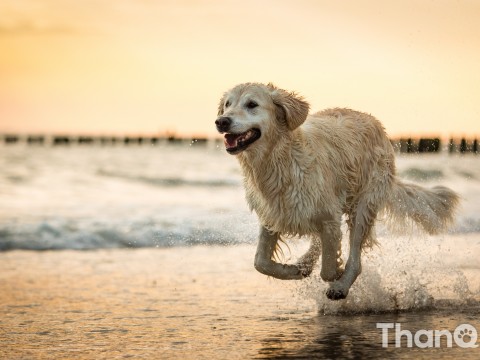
(291, 108)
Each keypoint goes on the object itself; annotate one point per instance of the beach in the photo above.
(209, 302)
(195, 302)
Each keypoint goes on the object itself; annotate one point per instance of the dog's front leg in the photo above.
(264, 263)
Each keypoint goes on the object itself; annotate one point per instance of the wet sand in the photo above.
(194, 302)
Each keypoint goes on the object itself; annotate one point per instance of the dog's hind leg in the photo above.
(264, 263)
(361, 225)
(331, 236)
(328, 244)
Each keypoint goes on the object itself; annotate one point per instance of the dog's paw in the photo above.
(305, 269)
(336, 293)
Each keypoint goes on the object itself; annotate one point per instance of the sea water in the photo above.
(88, 197)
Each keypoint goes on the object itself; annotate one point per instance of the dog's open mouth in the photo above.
(235, 143)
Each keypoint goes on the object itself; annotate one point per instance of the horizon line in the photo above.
(208, 136)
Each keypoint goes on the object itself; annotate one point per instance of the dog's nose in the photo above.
(223, 123)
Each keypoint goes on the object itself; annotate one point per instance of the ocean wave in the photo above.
(422, 174)
(72, 235)
(78, 234)
(434, 174)
(466, 225)
(169, 181)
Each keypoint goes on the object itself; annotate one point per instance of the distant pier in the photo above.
(435, 145)
(85, 140)
(402, 145)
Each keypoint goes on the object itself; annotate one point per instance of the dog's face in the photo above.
(250, 114)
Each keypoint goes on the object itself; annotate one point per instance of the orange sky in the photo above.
(145, 66)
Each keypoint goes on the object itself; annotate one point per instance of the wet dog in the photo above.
(303, 173)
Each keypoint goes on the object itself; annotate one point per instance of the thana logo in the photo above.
(465, 336)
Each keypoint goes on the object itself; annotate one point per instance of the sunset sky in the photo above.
(148, 67)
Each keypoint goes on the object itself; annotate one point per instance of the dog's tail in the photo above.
(432, 209)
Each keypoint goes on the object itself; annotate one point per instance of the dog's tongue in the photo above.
(231, 140)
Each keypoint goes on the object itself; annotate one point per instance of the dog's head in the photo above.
(250, 114)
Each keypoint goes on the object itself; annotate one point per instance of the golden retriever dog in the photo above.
(303, 173)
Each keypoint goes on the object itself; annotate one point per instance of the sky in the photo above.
(146, 67)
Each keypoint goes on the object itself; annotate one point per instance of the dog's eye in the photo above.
(251, 104)
(227, 104)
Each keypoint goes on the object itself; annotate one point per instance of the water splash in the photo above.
(408, 274)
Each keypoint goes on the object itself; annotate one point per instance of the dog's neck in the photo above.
(270, 167)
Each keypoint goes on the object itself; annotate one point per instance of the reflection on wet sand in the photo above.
(193, 302)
